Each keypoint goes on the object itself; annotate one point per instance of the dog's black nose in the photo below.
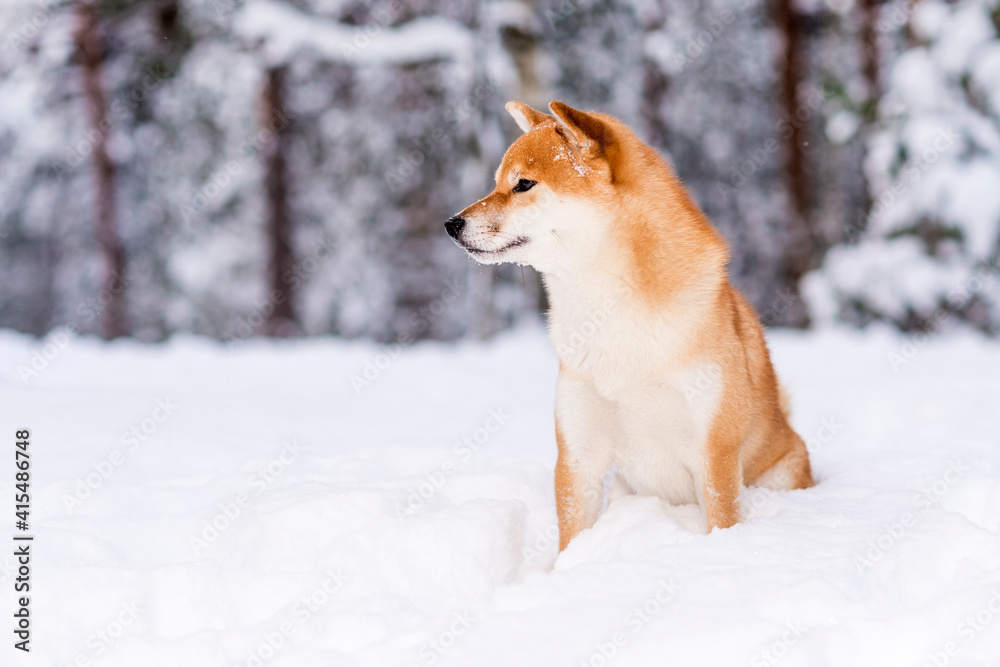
(454, 225)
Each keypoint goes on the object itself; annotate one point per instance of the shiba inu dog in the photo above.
(664, 375)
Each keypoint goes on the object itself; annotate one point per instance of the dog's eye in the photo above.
(524, 185)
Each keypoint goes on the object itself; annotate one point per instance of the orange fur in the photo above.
(566, 491)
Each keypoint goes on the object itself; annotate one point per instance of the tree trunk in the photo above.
(281, 321)
(90, 47)
(798, 252)
(869, 38)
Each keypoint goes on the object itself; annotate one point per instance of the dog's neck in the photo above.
(659, 253)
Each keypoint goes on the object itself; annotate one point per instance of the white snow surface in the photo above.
(892, 559)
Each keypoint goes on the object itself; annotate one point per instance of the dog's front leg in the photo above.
(585, 440)
(722, 479)
(579, 496)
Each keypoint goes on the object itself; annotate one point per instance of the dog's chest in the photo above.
(661, 402)
(658, 449)
(612, 342)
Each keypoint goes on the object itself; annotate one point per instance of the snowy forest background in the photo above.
(244, 167)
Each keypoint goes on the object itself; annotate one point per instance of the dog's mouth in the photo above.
(478, 252)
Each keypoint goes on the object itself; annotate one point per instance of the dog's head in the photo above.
(553, 195)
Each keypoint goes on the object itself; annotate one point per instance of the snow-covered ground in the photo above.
(194, 505)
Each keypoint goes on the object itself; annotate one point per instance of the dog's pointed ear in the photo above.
(585, 130)
(525, 117)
